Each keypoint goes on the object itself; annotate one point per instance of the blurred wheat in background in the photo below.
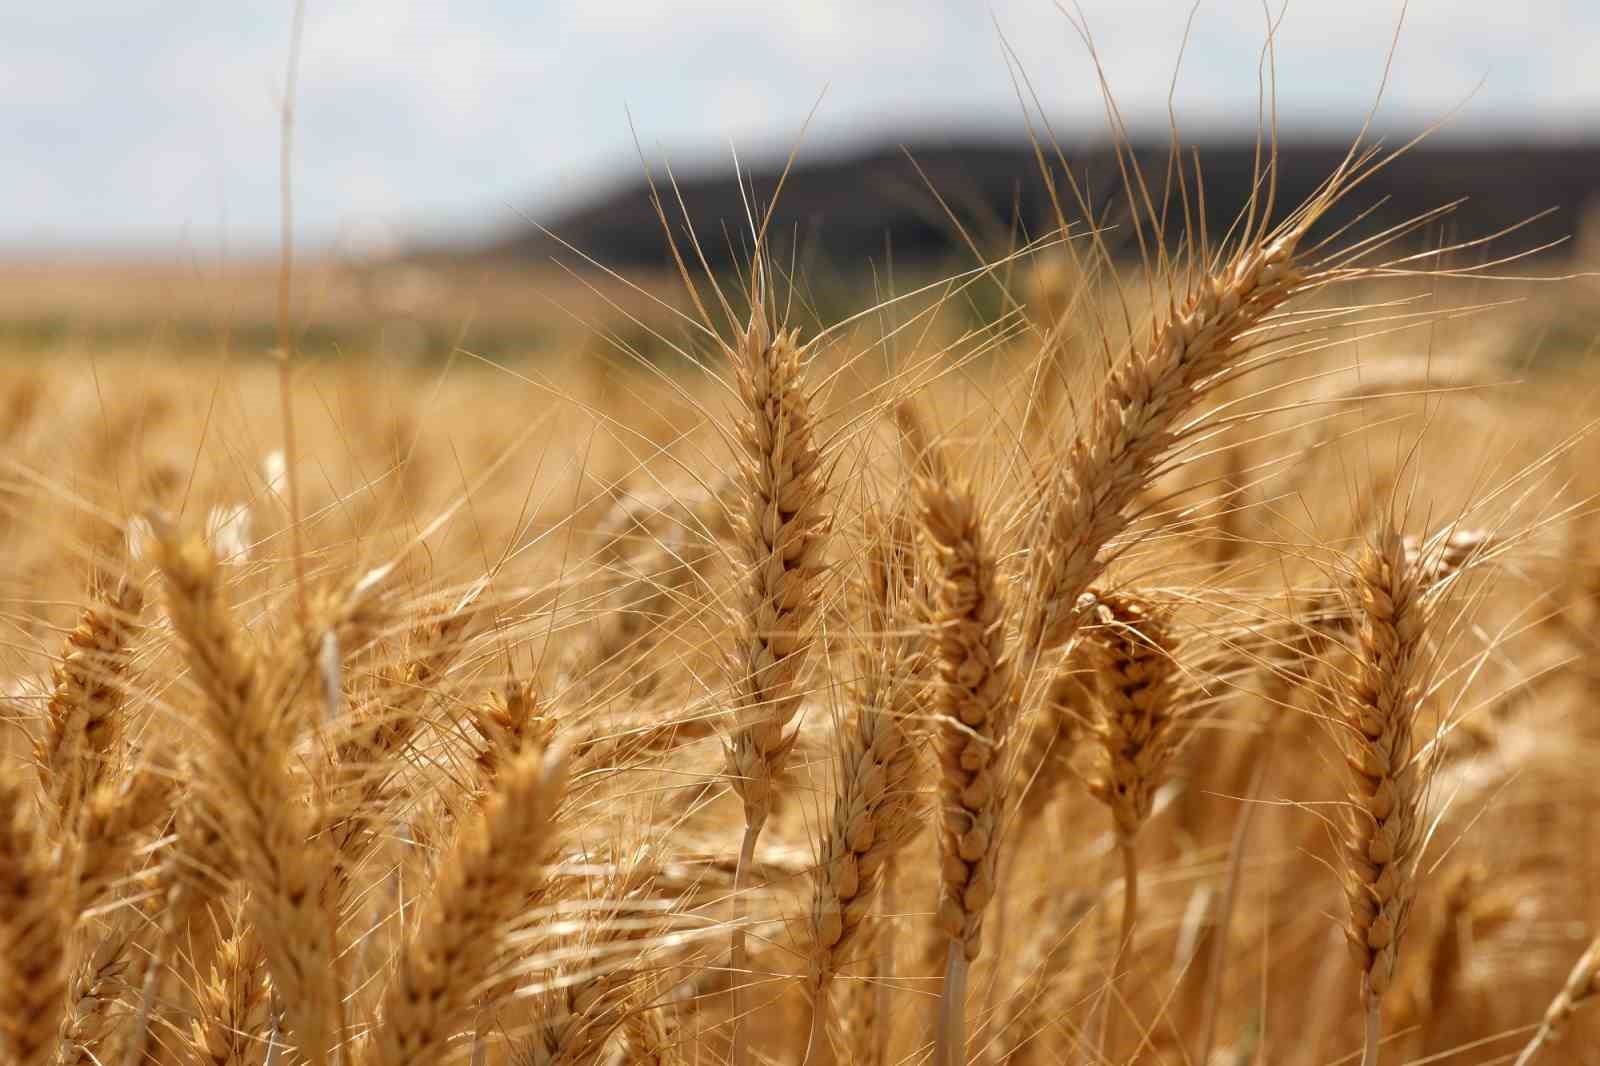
(1144, 643)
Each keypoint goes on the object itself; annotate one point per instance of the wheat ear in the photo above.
(362, 776)
(1138, 419)
(232, 1020)
(1583, 984)
(83, 722)
(976, 708)
(586, 1001)
(265, 825)
(652, 1039)
(874, 815)
(579, 1017)
(482, 885)
(783, 527)
(782, 524)
(114, 819)
(1045, 969)
(1141, 723)
(874, 802)
(33, 929)
(508, 724)
(1379, 705)
(193, 876)
(1469, 909)
(92, 998)
(1045, 761)
(875, 808)
(636, 613)
(858, 1021)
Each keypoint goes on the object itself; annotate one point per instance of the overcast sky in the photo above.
(154, 123)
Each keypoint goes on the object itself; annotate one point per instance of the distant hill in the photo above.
(846, 209)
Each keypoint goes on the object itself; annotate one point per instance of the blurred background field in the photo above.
(140, 205)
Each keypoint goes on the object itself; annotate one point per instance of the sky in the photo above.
(143, 124)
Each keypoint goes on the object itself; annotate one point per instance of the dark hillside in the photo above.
(847, 209)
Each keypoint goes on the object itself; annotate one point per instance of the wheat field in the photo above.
(1187, 663)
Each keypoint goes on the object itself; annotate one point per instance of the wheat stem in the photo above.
(1374, 1035)
(738, 952)
(950, 1048)
(1130, 889)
